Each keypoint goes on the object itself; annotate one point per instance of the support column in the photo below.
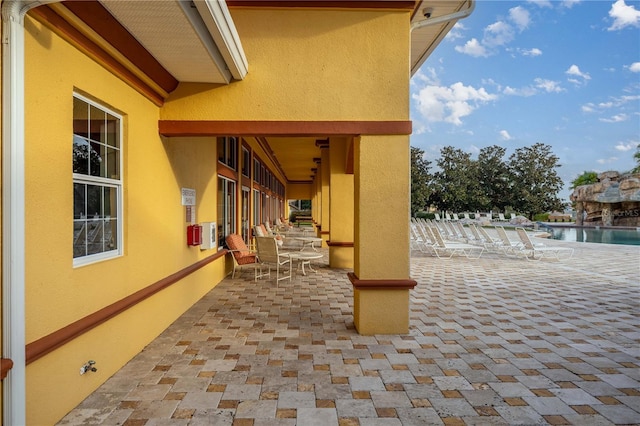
(341, 205)
(324, 167)
(381, 278)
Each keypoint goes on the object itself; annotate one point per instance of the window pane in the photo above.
(113, 131)
(113, 163)
(94, 201)
(97, 119)
(111, 234)
(79, 201)
(80, 155)
(80, 118)
(109, 202)
(95, 235)
(79, 238)
(95, 159)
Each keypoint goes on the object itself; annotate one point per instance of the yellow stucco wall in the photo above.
(309, 65)
(58, 294)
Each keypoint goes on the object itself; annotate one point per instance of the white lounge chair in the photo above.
(501, 218)
(448, 249)
(508, 247)
(531, 250)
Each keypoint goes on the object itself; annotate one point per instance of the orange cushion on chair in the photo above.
(235, 242)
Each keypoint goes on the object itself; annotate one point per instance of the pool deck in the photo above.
(492, 341)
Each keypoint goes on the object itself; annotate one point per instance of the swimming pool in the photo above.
(591, 235)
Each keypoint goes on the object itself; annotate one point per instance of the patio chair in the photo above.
(507, 246)
(501, 218)
(489, 242)
(530, 250)
(242, 256)
(447, 249)
(270, 256)
(464, 234)
(437, 216)
(455, 217)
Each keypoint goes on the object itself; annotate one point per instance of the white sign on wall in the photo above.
(188, 197)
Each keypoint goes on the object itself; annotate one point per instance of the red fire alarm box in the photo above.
(194, 235)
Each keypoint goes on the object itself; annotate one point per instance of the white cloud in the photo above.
(520, 16)
(456, 32)
(623, 16)
(498, 34)
(605, 104)
(548, 86)
(531, 52)
(574, 70)
(505, 135)
(607, 160)
(473, 48)
(450, 104)
(615, 119)
(541, 3)
(570, 3)
(624, 147)
(634, 67)
(588, 108)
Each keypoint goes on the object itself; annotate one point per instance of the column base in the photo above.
(381, 306)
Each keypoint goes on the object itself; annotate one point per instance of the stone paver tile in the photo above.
(511, 389)
(418, 416)
(390, 399)
(452, 383)
(201, 400)
(355, 408)
(575, 396)
(548, 406)
(317, 417)
(397, 376)
(253, 409)
(520, 415)
(366, 384)
(296, 400)
(619, 380)
(452, 407)
(242, 392)
(482, 397)
(618, 414)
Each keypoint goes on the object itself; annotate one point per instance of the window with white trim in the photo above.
(97, 182)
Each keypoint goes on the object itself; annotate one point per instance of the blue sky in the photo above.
(514, 73)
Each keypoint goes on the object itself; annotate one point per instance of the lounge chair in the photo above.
(501, 218)
(242, 256)
(489, 242)
(531, 250)
(270, 256)
(455, 217)
(448, 249)
(437, 216)
(507, 246)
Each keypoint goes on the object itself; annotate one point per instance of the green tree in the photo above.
(637, 158)
(585, 178)
(535, 179)
(455, 187)
(420, 180)
(494, 178)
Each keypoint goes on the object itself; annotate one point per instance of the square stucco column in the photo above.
(381, 278)
(341, 205)
(324, 166)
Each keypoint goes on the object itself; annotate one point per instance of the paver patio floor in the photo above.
(492, 341)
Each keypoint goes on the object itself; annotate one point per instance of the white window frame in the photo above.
(116, 184)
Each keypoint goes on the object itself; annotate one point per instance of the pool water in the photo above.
(590, 235)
